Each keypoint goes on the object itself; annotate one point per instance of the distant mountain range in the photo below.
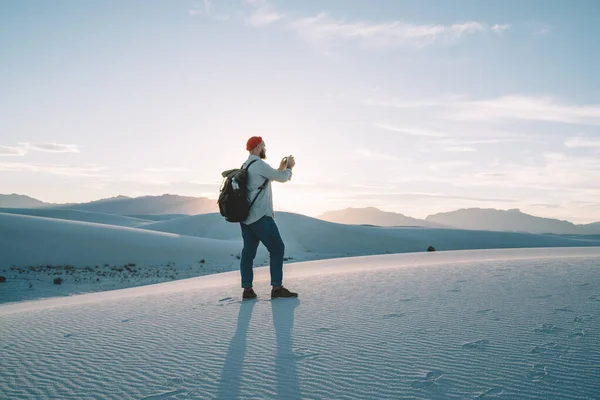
(123, 205)
(374, 216)
(510, 220)
(472, 218)
(20, 201)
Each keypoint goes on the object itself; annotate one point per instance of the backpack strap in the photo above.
(249, 164)
(260, 188)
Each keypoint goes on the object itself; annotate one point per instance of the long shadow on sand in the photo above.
(285, 359)
(286, 375)
(231, 376)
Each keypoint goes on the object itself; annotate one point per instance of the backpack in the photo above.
(233, 202)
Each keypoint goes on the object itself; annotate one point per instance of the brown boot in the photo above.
(282, 292)
(248, 294)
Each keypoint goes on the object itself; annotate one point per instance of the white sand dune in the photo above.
(323, 239)
(93, 257)
(156, 217)
(78, 215)
(30, 240)
(202, 225)
(515, 324)
(89, 256)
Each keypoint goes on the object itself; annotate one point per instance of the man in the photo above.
(260, 225)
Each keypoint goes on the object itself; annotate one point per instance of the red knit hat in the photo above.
(253, 142)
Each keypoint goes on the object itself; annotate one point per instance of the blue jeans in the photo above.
(264, 230)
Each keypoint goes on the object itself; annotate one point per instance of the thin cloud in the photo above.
(12, 151)
(143, 178)
(510, 107)
(460, 149)
(542, 205)
(582, 142)
(499, 29)
(50, 147)
(325, 29)
(410, 130)
(493, 139)
(263, 13)
(166, 169)
(206, 9)
(386, 101)
(443, 166)
(263, 17)
(554, 171)
(92, 171)
(522, 107)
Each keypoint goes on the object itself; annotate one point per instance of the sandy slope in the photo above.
(92, 257)
(465, 325)
(156, 217)
(88, 256)
(78, 215)
(303, 234)
(31, 240)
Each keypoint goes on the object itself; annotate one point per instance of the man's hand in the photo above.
(282, 165)
(291, 162)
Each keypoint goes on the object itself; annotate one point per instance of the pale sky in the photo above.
(413, 107)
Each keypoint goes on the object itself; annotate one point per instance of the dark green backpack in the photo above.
(233, 200)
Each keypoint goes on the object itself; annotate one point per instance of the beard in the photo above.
(262, 155)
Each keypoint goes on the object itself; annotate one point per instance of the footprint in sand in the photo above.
(461, 281)
(428, 380)
(548, 329)
(453, 290)
(577, 334)
(583, 284)
(300, 354)
(67, 335)
(165, 395)
(486, 311)
(537, 373)
(595, 297)
(582, 318)
(231, 300)
(493, 392)
(476, 345)
(393, 315)
(406, 300)
(543, 348)
(126, 320)
(564, 309)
